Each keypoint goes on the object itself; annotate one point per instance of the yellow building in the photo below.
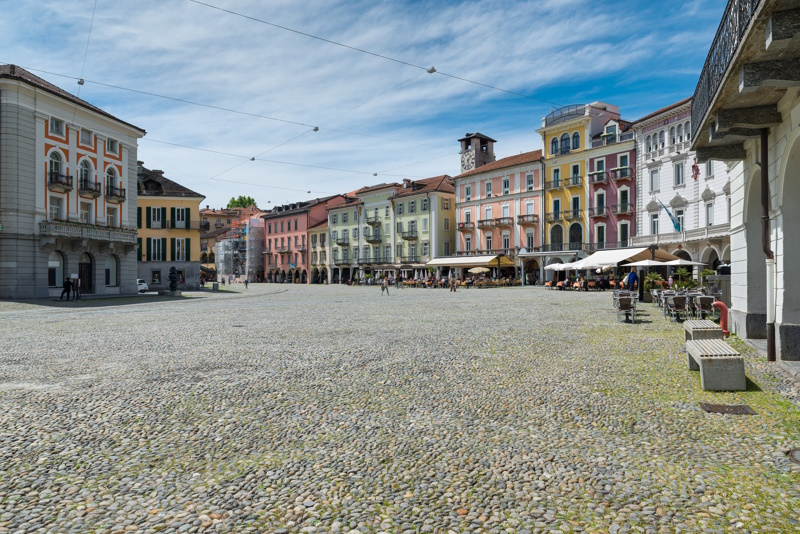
(168, 222)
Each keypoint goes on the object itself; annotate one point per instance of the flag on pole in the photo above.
(675, 222)
(695, 170)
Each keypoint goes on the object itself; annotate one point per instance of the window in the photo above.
(446, 223)
(600, 165)
(709, 169)
(295, 224)
(425, 248)
(506, 241)
(529, 182)
(467, 216)
(386, 211)
(323, 256)
(505, 210)
(344, 219)
(333, 218)
(530, 241)
(600, 234)
(55, 269)
(56, 126)
(687, 131)
(654, 223)
(86, 212)
(445, 203)
(111, 181)
(554, 146)
(446, 248)
(556, 177)
(600, 203)
(649, 144)
(156, 278)
(399, 251)
(565, 143)
(111, 146)
(355, 216)
(180, 249)
(529, 208)
(672, 139)
(86, 137)
(55, 208)
(314, 257)
(425, 224)
(488, 240)
(400, 208)
(557, 206)
(180, 217)
(355, 232)
(155, 217)
(680, 133)
(729, 209)
(487, 211)
(488, 188)
(282, 225)
(576, 170)
(111, 271)
(710, 214)
(335, 253)
(156, 252)
(295, 241)
(85, 174)
(387, 253)
(654, 180)
(678, 174)
(387, 227)
(679, 218)
(229, 221)
(467, 193)
(424, 204)
(314, 240)
(576, 141)
(506, 186)
(623, 161)
(55, 165)
(661, 138)
(467, 243)
(624, 233)
(412, 206)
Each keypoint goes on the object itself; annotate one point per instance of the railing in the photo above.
(61, 182)
(90, 188)
(528, 219)
(625, 173)
(697, 234)
(301, 248)
(372, 260)
(594, 247)
(344, 260)
(574, 181)
(373, 237)
(374, 220)
(410, 234)
(735, 22)
(612, 139)
(565, 113)
(282, 250)
(599, 177)
(553, 216)
(183, 225)
(87, 231)
(343, 241)
(622, 209)
(466, 226)
(115, 193)
(572, 214)
(509, 252)
(553, 184)
(597, 211)
(504, 221)
(205, 226)
(410, 259)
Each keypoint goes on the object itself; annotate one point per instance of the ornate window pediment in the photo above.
(727, 188)
(678, 201)
(653, 205)
(708, 194)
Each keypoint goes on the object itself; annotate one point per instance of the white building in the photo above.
(700, 204)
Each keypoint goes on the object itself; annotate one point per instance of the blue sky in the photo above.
(374, 115)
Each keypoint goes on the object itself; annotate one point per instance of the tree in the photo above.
(241, 202)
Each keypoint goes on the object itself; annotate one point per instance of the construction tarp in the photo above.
(471, 261)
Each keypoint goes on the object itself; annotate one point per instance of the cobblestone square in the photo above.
(289, 408)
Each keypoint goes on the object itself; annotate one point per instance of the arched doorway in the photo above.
(755, 274)
(55, 269)
(283, 276)
(85, 272)
(323, 276)
(575, 236)
(710, 258)
(788, 298)
(531, 272)
(304, 277)
(683, 255)
(557, 237)
(296, 276)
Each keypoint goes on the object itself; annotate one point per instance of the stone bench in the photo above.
(721, 367)
(694, 330)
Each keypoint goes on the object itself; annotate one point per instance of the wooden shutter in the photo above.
(164, 248)
(149, 250)
(148, 217)
(172, 249)
(172, 217)
(164, 218)
(139, 218)
(186, 217)
(188, 247)
(139, 247)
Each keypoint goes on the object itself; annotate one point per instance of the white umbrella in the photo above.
(685, 263)
(646, 263)
(554, 267)
(478, 270)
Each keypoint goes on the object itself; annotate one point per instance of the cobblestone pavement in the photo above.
(333, 409)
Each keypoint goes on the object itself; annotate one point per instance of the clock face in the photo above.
(468, 160)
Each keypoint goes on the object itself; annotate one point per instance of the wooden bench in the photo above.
(721, 367)
(694, 330)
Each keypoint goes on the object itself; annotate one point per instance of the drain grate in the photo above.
(729, 409)
(237, 326)
(794, 455)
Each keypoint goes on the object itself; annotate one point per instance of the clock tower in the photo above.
(476, 151)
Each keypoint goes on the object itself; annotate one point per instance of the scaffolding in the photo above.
(242, 254)
(254, 259)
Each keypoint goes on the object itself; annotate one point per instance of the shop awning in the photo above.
(471, 261)
(613, 257)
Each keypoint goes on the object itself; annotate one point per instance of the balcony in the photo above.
(372, 260)
(612, 139)
(508, 252)
(571, 215)
(553, 216)
(409, 259)
(574, 181)
(59, 182)
(373, 237)
(563, 247)
(373, 220)
(205, 226)
(344, 260)
(553, 184)
(606, 245)
(79, 232)
(622, 209)
(410, 235)
(283, 250)
(115, 194)
(301, 248)
(483, 224)
(698, 234)
(564, 114)
(597, 211)
(623, 173)
(342, 241)
(89, 189)
(466, 226)
(600, 177)
(183, 225)
(528, 220)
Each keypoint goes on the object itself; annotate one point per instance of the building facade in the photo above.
(320, 253)
(698, 196)
(65, 176)
(499, 202)
(168, 222)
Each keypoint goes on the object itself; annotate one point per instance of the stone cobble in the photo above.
(335, 409)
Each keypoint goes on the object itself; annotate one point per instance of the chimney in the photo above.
(406, 183)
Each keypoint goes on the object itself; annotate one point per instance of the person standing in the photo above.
(453, 285)
(76, 288)
(67, 288)
(633, 280)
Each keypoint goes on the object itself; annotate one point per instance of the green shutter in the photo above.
(188, 247)
(171, 249)
(164, 248)
(139, 248)
(149, 241)
(186, 217)
(139, 218)
(172, 217)
(164, 218)
(148, 217)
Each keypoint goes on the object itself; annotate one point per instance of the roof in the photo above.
(319, 225)
(166, 187)
(476, 134)
(624, 126)
(14, 72)
(300, 207)
(663, 110)
(371, 188)
(214, 233)
(442, 183)
(519, 159)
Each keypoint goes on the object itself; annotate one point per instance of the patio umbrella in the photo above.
(646, 263)
(685, 263)
(554, 267)
(478, 270)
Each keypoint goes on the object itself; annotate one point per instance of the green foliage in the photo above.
(653, 280)
(241, 202)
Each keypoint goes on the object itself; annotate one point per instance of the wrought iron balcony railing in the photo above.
(573, 214)
(342, 241)
(410, 235)
(89, 189)
(597, 211)
(574, 181)
(528, 219)
(115, 193)
(622, 209)
(553, 184)
(59, 182)
(373, 237)
(373, 220)
(466, 226)
(599, 177)
(625, 173)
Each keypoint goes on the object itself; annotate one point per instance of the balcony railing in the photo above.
(115, 194)
(373, 237)
(564, 114)
(612, 139)
(528, 219)
(344, 260)
(573, 214)
(561, 247)
(553, 184)
(183, 225)
(410, 259)
(301, 247)
(600, 177)
(622, 209)
(594, 247)
(553, 216)
(72, 230)
(597, 211)
(466, 226)
(735, 22)
(373, 220)
(509, 252)
(574, 181)
(59, 182)
(372, 260)
(282, 250)
(498, 222)
(625, 173)
(342, 241)
(410, 235)
(697, 234)
(88, 188)
(485, 223)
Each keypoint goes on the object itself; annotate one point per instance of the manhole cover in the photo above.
(794, 455)
(730, 409)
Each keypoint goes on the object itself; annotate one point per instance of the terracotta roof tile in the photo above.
(168, 187)
(442, 183)
(519, 159)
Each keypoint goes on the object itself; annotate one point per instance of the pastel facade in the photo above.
(343, 224)
(320, 250)
(168, 222)
(66, 196)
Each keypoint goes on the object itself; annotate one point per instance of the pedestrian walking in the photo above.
(633, 280)
(453, 285)
(67, 288)
(385, 286)
(246, 283)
